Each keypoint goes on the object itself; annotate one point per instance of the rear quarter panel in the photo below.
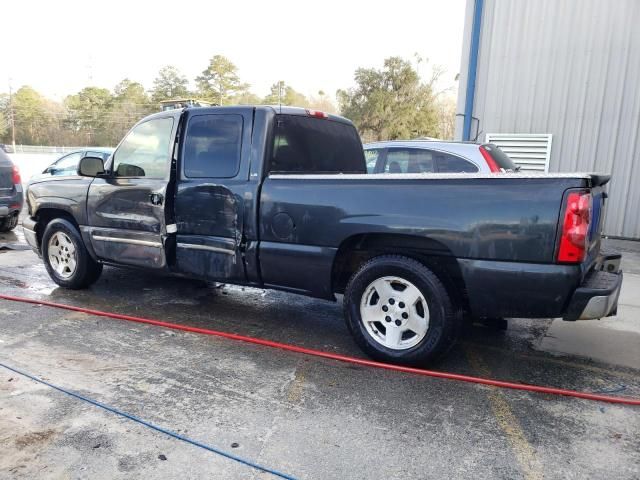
(501, 219)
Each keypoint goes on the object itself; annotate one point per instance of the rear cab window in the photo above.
(303, 144)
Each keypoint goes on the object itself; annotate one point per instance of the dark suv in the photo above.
(11, 198)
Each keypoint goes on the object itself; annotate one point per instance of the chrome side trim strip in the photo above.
(194, 246)
(132, 241)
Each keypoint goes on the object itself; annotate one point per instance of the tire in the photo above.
(417, 305)
(66, 258)
(9, 223)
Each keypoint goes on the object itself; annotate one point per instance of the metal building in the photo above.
(556, 83)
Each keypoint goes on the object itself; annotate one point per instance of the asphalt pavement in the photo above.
(307, 417)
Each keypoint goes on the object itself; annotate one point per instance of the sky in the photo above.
(59, 47)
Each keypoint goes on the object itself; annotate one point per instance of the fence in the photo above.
(43, 149)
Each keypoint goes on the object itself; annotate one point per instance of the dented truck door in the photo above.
(127, 218)
(212, 179)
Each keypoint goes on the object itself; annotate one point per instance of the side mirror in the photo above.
(91, 167)
(128, 170)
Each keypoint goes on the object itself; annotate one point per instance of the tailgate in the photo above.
(598, 196)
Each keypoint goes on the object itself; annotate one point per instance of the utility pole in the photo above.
(12, 119)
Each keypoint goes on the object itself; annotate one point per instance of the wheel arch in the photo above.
(44, 215)
(358, 249)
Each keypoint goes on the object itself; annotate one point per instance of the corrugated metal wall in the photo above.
(570, 68)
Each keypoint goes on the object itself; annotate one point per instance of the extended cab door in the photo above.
(212, 189)
(126, 209)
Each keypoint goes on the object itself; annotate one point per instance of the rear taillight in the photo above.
(317, 114)
(574, 241)
(16, 176)
(493, 166)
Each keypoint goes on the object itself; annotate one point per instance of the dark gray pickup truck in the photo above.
(279, 198)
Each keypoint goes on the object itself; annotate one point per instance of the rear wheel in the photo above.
(65, 256)
(9, 223)
(399, 311)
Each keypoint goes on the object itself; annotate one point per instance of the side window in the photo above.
(145, 150)
(212, 146)
(371, 157)
(66, 165)
(409, 160)
(452, 164)
(103, 155)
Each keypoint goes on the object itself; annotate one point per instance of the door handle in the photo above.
(156, 198)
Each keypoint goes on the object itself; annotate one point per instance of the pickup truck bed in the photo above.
(279, 198)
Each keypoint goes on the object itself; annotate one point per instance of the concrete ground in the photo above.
(307, 417)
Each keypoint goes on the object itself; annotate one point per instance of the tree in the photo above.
(31, 116)
(5, 118)
(130, 104)
(322, 102)
(169, 84)
(391, 103)
(246, 98)
(89, 115)
(283, 94)
(219, 82)
(446, 116)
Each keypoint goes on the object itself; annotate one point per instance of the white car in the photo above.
(435, 156)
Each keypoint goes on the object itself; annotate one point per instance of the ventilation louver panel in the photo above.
(531, 151)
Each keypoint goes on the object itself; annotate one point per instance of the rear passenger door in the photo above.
(212, 182)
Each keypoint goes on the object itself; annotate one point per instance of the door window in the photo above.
(66, 165)
(371, 157)
(409, 160)
(452, 164)
(145, 150)
(212, 146)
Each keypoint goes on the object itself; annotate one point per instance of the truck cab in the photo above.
(181, 191)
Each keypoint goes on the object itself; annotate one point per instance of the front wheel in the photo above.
(65, 256)
(399, 311)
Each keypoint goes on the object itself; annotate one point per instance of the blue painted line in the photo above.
(473, 69)
(131, 417)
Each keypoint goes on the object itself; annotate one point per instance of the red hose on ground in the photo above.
(335, 356)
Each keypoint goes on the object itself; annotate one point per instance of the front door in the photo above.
(126, 209)
(211, 194)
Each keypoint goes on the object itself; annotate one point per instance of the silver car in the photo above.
(435, 156)
(68, 163)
